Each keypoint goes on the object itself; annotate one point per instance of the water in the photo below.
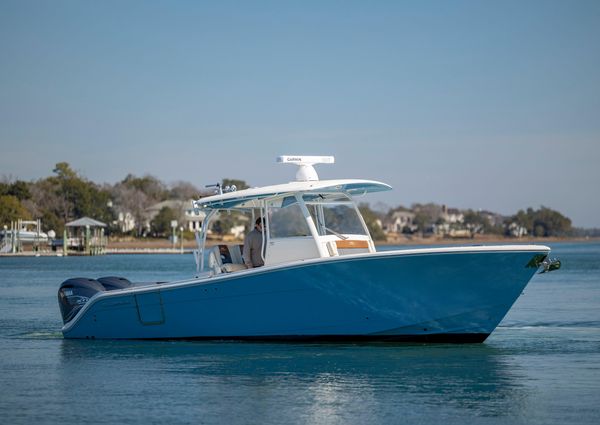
(541, 366)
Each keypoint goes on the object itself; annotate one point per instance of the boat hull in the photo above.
(453, 295)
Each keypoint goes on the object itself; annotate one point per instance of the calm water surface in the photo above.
(541, 366)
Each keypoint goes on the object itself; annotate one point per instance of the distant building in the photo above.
(398, 221)
(493, 218)
(451, 223)
(125, 221)
(516, 230)
(85, 235)
(191, 219)
(452, 215)
(194, 219)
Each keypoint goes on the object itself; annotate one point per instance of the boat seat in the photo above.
(225, 259)
(232, 267)
(215, 263)
(230, 254)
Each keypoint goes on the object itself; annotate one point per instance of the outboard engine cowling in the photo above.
(111, 283)
(74, 293)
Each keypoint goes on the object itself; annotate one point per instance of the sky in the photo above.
(473, 104)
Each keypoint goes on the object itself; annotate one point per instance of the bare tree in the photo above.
(130, 200)
(183, 191)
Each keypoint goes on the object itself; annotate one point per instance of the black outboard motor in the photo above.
(113, 282)
(74, 293)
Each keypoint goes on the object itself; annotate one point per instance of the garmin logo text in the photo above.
(306, 170)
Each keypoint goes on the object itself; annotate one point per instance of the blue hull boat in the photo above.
(322, 280)
(452, 295)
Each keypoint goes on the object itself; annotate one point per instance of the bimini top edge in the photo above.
(242, 198)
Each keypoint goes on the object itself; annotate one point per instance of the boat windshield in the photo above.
(286, 219)
(334, 215)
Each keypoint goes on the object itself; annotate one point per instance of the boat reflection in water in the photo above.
(322, 279)
(298, 383)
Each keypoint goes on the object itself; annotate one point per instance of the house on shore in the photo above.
(189, 218)
(399, 221)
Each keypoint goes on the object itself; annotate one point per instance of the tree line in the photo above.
(541, 222)
(66, 196)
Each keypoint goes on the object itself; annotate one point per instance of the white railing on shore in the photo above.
(80, 242)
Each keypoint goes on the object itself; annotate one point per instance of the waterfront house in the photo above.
(189, 218)
(399, 221)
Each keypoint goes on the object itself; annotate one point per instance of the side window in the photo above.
(287, 221)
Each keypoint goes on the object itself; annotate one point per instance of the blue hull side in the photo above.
(450, 297)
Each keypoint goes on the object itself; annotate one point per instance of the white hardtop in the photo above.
(248, 198)
(296, 217)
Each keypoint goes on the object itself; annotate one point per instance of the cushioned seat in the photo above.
(230, 267)
(225, 258)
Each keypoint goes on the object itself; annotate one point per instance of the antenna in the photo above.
(306, 172)
(219, 190)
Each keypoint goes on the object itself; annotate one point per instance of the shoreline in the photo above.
(163, 246)
(141, 244)
(485, 239)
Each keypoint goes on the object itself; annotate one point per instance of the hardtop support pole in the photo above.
(311, 225)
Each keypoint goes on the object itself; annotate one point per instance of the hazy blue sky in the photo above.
(475, 104)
